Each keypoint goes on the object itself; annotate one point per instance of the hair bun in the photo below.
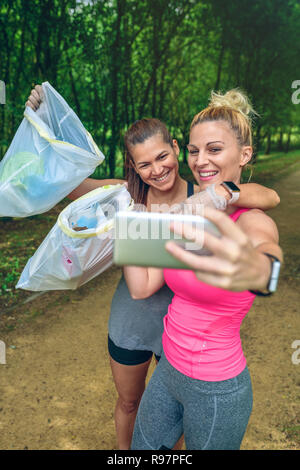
(235, 99)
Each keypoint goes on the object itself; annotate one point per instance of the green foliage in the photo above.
(116, 61)
(19, 240)
(9, 274)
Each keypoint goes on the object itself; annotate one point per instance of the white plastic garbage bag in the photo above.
(80, 245)
(49, 156)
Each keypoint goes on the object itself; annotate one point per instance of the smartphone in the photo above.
(140, 238)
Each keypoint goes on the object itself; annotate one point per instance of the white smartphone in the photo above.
(140, 238)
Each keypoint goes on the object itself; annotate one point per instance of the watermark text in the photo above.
(2, 92)
(2, 352)
(296, 354)
(296, 94)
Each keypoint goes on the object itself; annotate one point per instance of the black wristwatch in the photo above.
(233, 189)
(273, 281)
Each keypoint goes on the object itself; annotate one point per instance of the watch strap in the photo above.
(233, 189)
(272, 284)
(234, 198)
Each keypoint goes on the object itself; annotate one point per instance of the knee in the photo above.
(129, 406)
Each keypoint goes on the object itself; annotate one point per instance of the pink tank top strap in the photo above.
(240, 210)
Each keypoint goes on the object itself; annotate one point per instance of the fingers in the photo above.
(228, 251)
(188, 257)
(233, 262)
(207, 269)
(221, 247)
(201, 264)
(35, 98)
(226, 226)
(39, 90)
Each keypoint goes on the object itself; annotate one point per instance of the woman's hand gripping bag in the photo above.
(80, 245)
(49, 156)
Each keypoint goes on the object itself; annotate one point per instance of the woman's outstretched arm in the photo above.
(143, 282)
(89, 184)
(238, 261)
(252, 196)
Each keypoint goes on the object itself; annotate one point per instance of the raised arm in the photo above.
(89, 184)
(34, 100)
(253, 196)
(143, 282)
(238, 262)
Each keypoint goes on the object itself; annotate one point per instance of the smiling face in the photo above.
(156, 162)
(215, 154)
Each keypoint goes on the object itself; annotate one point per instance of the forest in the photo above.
(116, 61)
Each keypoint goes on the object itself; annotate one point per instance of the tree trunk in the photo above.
(220, 63)
(115, 89)
(280, 141)
(258, 138)
(74, 91)
(184, 150)
(268, 148)
(287, 145)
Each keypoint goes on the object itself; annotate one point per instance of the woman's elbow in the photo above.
(72, 196)
(276, 199)
(139, 295)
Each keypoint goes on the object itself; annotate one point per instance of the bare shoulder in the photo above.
(252, 215)
(256, 222)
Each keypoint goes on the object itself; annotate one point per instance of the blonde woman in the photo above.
(201, 387)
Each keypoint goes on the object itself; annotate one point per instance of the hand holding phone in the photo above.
(140, 238)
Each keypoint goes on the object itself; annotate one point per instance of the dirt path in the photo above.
(56, 390)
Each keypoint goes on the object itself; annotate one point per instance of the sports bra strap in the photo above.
(190, 189)
(239, 211)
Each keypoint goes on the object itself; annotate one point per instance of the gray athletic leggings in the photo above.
(211, 415)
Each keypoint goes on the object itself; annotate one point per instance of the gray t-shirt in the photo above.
(138, 324)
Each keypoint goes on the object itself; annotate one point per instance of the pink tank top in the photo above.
(201, 335)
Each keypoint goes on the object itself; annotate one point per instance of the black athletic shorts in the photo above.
(129, 357)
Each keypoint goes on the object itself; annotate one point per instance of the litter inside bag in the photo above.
(91, 217)
(49, 156)
(20, 168)
(80, 245)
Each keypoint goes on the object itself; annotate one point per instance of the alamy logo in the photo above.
(2, 92)
(295, 95)
(2, 353)
(296, 354)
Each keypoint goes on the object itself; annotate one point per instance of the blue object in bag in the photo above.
(84, 221)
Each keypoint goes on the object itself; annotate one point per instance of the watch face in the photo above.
(233, 187)
(274, 275)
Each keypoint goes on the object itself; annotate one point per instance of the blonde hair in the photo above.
(235, 108)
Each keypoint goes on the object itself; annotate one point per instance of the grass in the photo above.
(266, 170)
(293, 432)
(271, 168)
(21, 237)
(18, 242)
